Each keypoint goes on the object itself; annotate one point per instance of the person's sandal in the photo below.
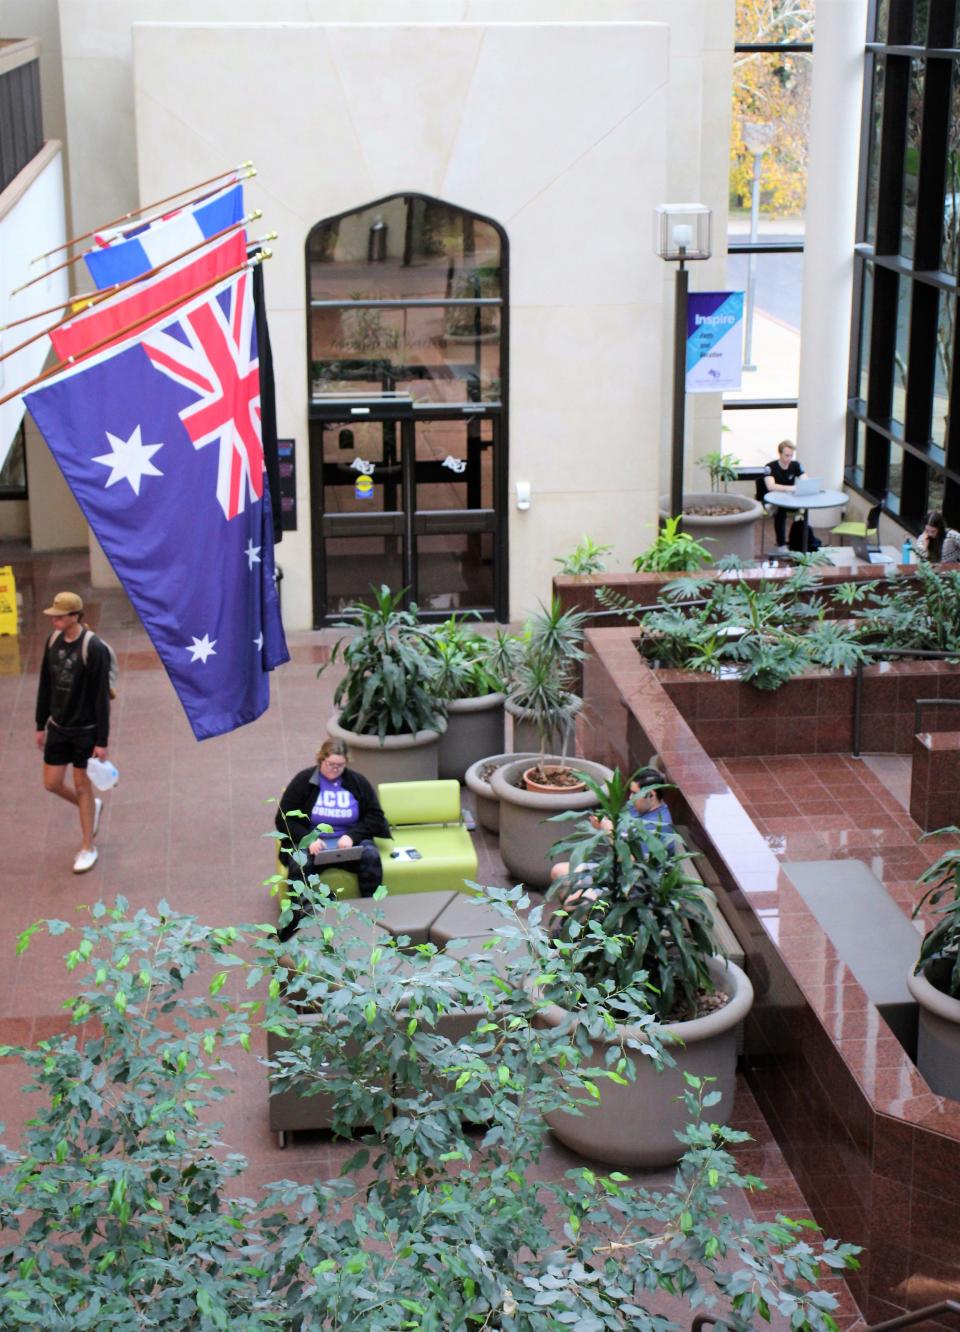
(85, 860)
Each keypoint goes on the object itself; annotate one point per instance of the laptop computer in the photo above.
(807, 485)
(869, 554)
(336, 855)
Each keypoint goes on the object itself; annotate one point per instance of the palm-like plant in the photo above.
(388, 688)
(542, 684)
(941, 944)
(649, 914)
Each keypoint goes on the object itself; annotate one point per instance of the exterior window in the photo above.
(768, 184)
(407, 296)
(904, 440)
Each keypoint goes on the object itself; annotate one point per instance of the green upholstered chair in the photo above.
(426, 817)
(337, 877)
(869, 529)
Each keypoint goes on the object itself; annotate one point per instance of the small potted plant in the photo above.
(722, 469)
(541, 698)
(727, 520)
(631, 892)
(388, 712)
(935, 980)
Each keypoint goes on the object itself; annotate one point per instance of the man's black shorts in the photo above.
(63, 747)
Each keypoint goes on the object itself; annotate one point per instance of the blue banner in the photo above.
(714, 340)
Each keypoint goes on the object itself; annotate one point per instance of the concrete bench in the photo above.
(870, 933)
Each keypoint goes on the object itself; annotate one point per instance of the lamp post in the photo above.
(757, 139)
(681, 233)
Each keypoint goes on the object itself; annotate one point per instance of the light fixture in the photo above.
(680, 232)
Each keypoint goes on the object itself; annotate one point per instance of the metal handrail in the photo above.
(904, 1320)
(920, 703)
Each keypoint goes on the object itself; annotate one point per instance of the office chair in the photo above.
(868, 529)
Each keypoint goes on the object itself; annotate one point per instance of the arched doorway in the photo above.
(407, 313)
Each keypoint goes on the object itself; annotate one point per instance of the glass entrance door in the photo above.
(411, 497)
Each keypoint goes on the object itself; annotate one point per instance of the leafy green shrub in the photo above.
(673, 551)
(916, 610)
(650, 916)
(586, 558)
(722, 467)
(940, 949)
(469, 664)
(388, 686)
(768, 631)
(121, 1209)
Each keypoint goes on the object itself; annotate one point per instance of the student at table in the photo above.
(938, 543)
(784, 471)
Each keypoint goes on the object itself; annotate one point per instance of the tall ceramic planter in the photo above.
(525, 735)
(636, 1125)
(474, 729)
(525, 837)
(938, 1042)
(730, 534)
(400, 758)
(487, 801)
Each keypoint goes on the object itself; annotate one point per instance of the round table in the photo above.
(820, 499)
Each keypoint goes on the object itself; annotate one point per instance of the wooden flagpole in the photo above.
(95, 298)
(123, 333)
(144, 208)
(75, 259)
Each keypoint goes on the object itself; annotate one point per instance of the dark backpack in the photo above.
(795, 541)
(114, 669)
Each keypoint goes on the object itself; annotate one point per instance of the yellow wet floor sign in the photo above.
(8, 601)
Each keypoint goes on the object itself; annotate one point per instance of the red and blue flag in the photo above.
(159, 440)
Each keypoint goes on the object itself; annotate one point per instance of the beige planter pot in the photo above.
(938, 1041)
(474, 729)
(400, 758)
(525, 835)
(729, 535)
(635, 1126)
(487, 800)
(525, 732)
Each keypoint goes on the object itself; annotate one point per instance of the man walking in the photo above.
(73, 715)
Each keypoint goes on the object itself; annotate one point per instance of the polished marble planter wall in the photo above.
(876, 1153)
(935, 779)
(814, 714)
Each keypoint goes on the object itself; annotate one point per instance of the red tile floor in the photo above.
(187, 823)
(833, 806)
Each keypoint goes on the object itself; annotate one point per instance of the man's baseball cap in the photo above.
(65, 603)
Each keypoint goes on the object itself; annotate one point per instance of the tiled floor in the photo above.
(187, 822)
(831, 806)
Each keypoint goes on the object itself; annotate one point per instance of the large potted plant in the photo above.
(630, 895)
(935, 981)
(122, 1208)
(472, 670)
(541, 699)
(725, 520)
(388, 712)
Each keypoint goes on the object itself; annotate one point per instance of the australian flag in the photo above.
(159, 440)
(142, 248)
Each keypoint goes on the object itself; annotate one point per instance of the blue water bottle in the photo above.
(906, 554)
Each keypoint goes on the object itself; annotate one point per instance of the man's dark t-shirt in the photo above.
(785, 476)
(73, 695)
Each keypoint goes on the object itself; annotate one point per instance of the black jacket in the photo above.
(89, 703)
(301, 794)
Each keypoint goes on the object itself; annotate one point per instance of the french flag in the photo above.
(106, 323)
(165, 239)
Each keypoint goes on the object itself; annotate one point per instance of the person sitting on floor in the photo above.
(645, 805)
(331, 793)
(938, 543)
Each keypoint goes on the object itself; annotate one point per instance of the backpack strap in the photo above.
(85, 644)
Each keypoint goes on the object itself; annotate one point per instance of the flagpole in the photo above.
(144, 208)
(95, 298)
(84, 300)
(75, 259)
(120, 334)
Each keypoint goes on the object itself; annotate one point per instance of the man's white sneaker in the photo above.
(85, 860)
(97, 811)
